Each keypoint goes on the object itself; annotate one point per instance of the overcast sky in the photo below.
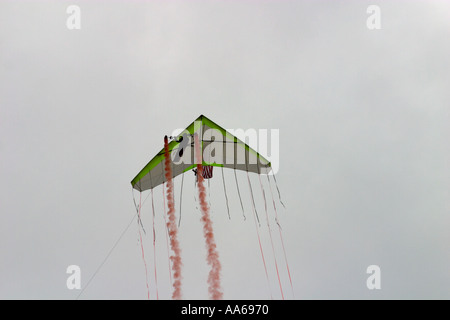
(363, 117)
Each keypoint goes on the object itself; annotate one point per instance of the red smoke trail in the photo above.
(142, 247)
(166, 234)
(172, 226)
(214, 289)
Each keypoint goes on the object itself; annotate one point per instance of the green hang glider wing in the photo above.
(219, 148)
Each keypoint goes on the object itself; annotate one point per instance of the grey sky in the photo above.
(364, 157)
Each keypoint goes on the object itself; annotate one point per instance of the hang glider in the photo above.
(219, 149)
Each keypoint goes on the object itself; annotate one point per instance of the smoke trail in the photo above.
(172, 225)
(214, 289)
(166, 233)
